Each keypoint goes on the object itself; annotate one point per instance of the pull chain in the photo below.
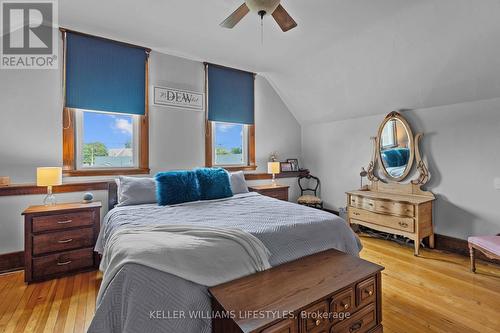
(262, 13)
(262, 30)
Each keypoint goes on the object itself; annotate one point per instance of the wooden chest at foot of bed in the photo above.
(327, 292)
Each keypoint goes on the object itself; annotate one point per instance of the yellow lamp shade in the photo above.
(273, 168)
(48, 176)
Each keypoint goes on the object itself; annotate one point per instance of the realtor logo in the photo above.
(29, 39)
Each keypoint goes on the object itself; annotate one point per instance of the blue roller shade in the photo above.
(103, 75)
(230, 95)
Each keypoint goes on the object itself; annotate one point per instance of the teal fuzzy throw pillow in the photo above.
(214, 183)
(175, 187)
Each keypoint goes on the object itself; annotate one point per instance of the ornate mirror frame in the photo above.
(411, 144)
(414, 186)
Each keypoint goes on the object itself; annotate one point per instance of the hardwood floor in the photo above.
(432, 293)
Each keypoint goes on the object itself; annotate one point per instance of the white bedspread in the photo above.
(205, 255)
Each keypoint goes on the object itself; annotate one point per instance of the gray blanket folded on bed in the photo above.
(205, 255)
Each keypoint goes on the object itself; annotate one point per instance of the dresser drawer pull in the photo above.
(64, 241)
(346, 306)
(64, 263)
(356, 326)
(64, 222)
(370, 204)
(357, 214)
(369, 292)
(317, 322)
(403, 224)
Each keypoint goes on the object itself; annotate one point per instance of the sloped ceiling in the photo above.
(347, 58)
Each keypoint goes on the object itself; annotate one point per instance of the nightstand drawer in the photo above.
(62, 263)
(279, 194)
(63, 240)
(62, 221)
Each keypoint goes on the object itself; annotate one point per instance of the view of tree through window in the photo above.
(107, 140)
(229, 141)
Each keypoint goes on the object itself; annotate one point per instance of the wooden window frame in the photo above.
(251, 166)
(69, 136)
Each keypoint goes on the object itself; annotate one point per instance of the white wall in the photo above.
(31, 132)
(461, 145)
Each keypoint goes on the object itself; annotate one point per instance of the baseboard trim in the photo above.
(15, 261)
(11, 262)
(459, 246)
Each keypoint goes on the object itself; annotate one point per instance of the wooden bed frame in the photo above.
(112, 194)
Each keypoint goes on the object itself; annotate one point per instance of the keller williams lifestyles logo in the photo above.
(29, 36)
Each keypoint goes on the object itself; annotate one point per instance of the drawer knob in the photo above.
(346, 306)
(403, 224)
(317, 322)
(357, 214)
(64, 263)
(356, 326)
(369, 292)
(64, 222)
(64, 241)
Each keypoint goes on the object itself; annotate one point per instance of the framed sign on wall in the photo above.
(178, 98)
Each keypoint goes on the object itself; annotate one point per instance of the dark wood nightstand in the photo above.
(60, 239)
(276, 191)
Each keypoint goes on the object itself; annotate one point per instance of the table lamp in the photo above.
(49, 176)
(273, 168)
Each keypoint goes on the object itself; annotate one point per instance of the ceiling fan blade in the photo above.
(284, 20)
(235, 17)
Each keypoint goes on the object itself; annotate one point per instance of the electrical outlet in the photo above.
(497, 183)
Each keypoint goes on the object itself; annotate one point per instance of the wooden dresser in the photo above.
(327, 292)
(405, 214)
(60, 239)
(278, 191)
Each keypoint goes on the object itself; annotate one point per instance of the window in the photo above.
(106, 140)
(230, 129)
(105, 117)
(230, 144)
(389, 138)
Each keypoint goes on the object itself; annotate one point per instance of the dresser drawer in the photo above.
(363, 203)
(315, 319)
(285, 326)
(366, 292)
(396, 208)
(343, 302)
(62, 221)
(394, 222)
(63, 240)
(361, 322)
(62, 263)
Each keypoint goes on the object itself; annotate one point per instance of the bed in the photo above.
(143, 299)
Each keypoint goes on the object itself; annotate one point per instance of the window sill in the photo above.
(105, 172)
(237, 168)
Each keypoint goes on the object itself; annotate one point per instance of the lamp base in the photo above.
(50, 199)
(273, 181)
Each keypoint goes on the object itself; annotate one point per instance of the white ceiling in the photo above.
(347, 58)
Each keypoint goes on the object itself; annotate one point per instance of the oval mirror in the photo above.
(395, 147)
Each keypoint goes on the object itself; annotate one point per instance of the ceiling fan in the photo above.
(262, 8)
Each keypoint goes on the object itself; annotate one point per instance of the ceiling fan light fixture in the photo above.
(259, 6)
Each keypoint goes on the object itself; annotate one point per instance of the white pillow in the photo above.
(238, 182)
(136, 191)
